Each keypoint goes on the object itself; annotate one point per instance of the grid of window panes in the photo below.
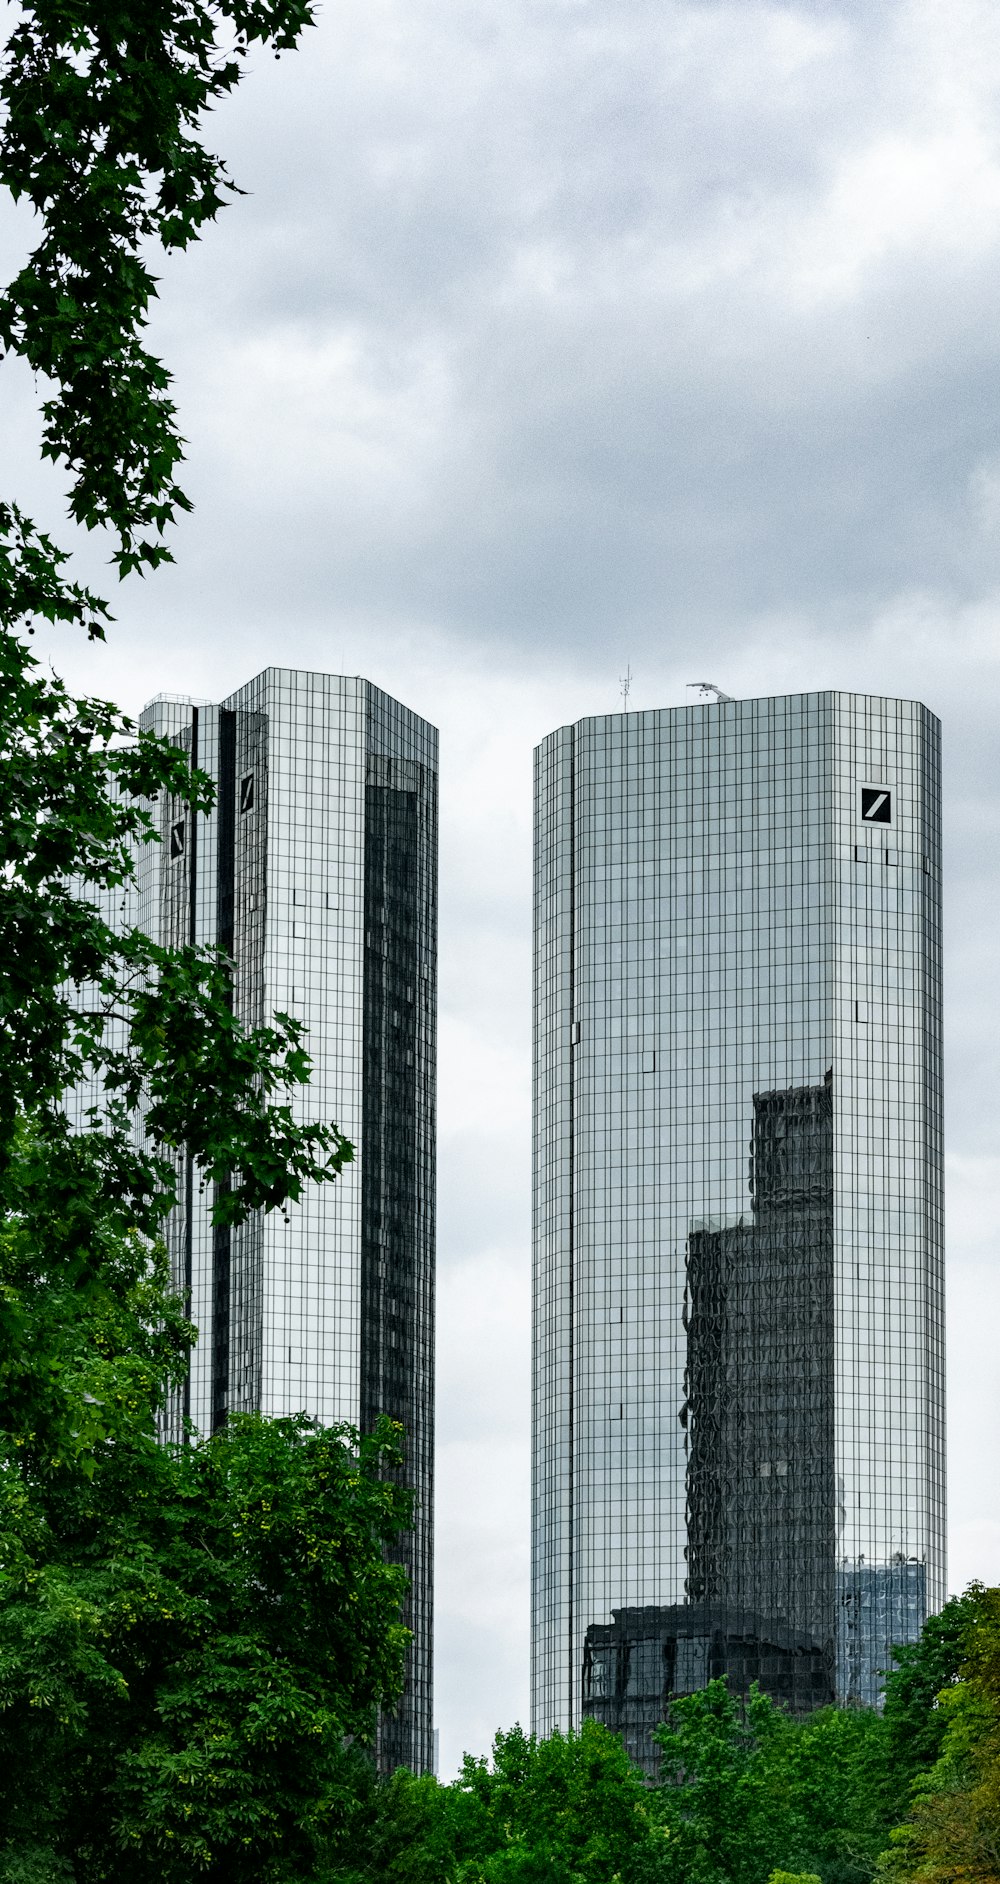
(317, 872)
(738, 1373)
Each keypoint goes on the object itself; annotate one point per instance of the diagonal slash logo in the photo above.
(876, 805)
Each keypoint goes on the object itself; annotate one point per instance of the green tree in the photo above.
(916, 1720)
(103, 101)
(831, 1768)
(747, 1790)
(399, 1827)
(102, 105)
(727, 1820)
(187, 1635)
(185, 1640)
(952, 1835)
(571, 1809)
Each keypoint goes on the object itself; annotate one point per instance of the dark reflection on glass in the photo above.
(761, 1482)
(397, 1188)
(759, 1316)
(633, 1665)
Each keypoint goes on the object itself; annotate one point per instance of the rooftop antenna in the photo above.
(625, 683)
(708, 686)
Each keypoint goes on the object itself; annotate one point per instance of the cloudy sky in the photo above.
(555, 338)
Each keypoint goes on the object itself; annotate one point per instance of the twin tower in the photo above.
(738, 1421)
(738, 1413)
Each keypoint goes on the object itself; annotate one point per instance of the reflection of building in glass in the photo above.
(316, 872)
(761, 1482)
(737, 934)
(632, 1665)
(877, 1605)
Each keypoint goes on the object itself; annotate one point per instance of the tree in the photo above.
(103, 101)
(831, 1766)
(571, 1809)
(186, 1638)
(916, 1720)
(747, 1790)
(952, 1835)
(716, 1797)
(187, 1634)
(399, 1827)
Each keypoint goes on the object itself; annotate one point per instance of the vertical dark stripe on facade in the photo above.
(188, 1160)
(222, 1234)
(397, 1185)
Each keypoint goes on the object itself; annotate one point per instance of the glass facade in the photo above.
(738, 1393)
(317, 873)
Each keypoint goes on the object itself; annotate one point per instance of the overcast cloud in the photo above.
(554, 337)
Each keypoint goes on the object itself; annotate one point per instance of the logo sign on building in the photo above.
(876, 804)
(177, 838)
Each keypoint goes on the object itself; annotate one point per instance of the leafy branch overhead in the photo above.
(157, 1026)
(103, 102)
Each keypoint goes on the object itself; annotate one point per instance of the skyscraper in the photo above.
(317, 874)
(738, 1400)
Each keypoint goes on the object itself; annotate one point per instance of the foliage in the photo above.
(953, 1833)
(158, 1027)
(915, 1720)
(750, 1790)
(189, 1637)
(399, 1827)
(834, 1766)
(715, 1798)
(91, 1340)
(186, 1634)
(747, 1796)
(102, 104)
(103, 99)
(185, 1640)
(570, 1809)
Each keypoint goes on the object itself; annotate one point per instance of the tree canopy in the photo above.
(104, 102)
(191, 1637)
(103, 109)
(188, 1634)
(746, 1794)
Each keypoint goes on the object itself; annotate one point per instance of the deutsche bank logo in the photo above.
(177, 838)
(876, 805)
(246, 793)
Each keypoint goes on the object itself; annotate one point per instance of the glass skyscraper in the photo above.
(317, 874)
(738, 1393)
